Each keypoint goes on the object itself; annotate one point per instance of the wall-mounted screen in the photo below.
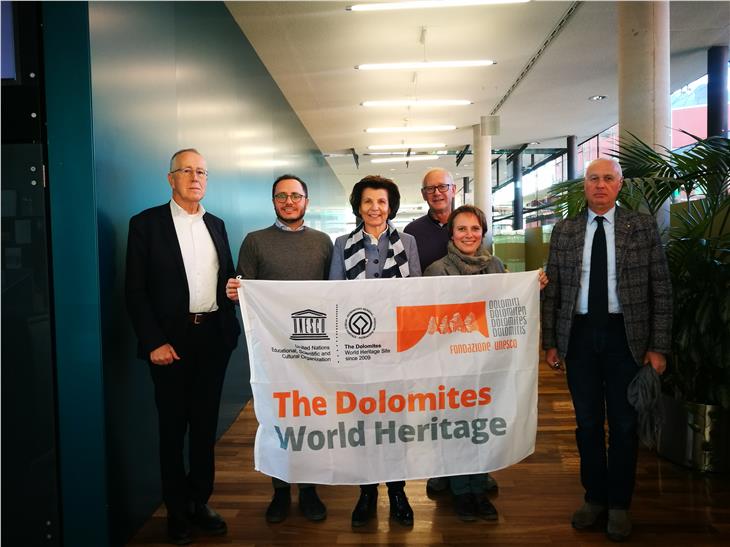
(8, 42)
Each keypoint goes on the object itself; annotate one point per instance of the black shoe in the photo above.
(208, 521)
(178, 530)
(400, 509)
(486, 510)
(465, 507)
(311, 506)
(279, 507)
(367, 506)
(436, 486)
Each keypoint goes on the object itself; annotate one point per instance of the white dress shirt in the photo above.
(199, 256)
(585, 274)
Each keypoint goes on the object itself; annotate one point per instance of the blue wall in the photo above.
(163, 76)
(74, 244)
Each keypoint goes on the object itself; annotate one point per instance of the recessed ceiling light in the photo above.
(405, 146)
(419, 4)
(418, 102)
(534, 142)
(418, 65)
(597, 97)
(422, 157)
(410, 129)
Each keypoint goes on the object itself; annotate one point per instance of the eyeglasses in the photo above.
(188, 172)
(443, 188)
(295, 198)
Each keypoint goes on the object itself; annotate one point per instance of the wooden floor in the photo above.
(672, 505)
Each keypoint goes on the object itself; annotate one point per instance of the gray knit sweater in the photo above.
(457, 263)
(273, 253)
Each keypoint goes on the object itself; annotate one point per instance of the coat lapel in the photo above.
(579, 238)
(621, 232)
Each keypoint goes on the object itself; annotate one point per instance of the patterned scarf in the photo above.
(396, 262)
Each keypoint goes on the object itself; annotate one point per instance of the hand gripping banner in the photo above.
(357, 382)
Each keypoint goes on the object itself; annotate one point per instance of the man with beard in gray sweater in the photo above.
(287, 250)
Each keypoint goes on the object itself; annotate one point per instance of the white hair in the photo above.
(615, 163)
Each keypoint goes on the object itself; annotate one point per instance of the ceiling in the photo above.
(311, 48)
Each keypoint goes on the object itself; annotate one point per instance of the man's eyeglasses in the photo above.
(443, 188)
(188, 172)
(281, 197)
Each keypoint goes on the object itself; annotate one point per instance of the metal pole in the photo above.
(517, 222)
(717, 96)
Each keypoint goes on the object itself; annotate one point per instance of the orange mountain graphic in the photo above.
(414, 322)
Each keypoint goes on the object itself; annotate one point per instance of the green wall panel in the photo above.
(140, 80)
(74, 242)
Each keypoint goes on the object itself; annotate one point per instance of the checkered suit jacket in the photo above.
(643, 284)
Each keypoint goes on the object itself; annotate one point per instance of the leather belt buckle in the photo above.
(197, 318)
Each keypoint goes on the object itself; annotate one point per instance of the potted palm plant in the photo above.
(696, 430)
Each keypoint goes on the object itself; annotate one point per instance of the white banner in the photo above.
(357, 382)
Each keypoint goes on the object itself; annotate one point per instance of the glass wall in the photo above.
(689, 111)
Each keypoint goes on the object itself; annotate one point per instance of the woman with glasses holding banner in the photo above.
(467, 255)
(375, 249)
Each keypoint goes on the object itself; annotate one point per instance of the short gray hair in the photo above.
(176, 154)
(615, 163)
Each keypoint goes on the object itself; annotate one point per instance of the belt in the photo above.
(198, 318)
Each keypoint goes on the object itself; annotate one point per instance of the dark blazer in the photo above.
(642, 277)
(156, 285)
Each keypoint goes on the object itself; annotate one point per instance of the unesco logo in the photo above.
(360, 323)
(309, 325)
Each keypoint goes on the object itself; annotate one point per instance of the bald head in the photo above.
(437, 173)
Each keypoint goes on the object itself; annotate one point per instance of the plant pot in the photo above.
(695, 435)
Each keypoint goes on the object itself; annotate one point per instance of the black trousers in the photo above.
(600, 368)
(187, 394)
(393, 486)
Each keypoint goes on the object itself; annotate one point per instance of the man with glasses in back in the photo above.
(287, 250)
(432, 238)
(178, 260)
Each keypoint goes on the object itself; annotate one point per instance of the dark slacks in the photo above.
(278, 483)
(600, 367)
(393, 486)
(187, 394)
(475, 483)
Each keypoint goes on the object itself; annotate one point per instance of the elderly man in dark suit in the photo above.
(606, 312)
(178, 260)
